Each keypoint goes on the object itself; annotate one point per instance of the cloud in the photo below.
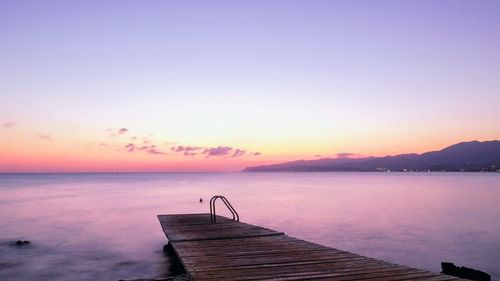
(182, 148)
(116, 132)
(238, 152)
(130, 147)
(9, 124)
(122, 131)
(212, 151)
(187, 150)
(153, 150)
(149, 149)
(345, 154)
(44, 137)
(218, 151)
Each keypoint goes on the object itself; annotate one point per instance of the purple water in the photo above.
(104, 226)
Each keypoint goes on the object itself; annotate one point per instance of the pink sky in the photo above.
(88, 87)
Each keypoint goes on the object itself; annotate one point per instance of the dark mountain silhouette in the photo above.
(464, 156)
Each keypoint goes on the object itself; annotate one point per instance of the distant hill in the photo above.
(464, 156)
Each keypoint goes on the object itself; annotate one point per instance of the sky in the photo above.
(105, 86)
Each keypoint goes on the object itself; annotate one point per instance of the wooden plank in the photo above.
(229, 250)
(246, 260)
(198, 227)
(316, 267)
(350, 274)
(341, 273)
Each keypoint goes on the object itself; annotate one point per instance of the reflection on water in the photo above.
(104, 226)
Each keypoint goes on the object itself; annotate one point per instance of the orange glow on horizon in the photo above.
(23, 152)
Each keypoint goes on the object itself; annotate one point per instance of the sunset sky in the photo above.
(219, 85)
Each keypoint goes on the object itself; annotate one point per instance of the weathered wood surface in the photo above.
(229, 250)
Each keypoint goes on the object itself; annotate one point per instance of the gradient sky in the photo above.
(243, 82)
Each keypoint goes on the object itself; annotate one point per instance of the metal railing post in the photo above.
(213, 216)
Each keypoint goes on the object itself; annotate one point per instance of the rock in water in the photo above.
(21, 243)
(464, 272)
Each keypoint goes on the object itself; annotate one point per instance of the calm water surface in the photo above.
(104, 226)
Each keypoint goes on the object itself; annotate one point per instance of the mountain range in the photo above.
(464, 156)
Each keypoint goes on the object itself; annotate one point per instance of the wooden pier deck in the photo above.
(230, 250)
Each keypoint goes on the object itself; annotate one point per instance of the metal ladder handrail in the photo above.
(213, 217)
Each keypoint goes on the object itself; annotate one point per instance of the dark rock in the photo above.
(21, 243)
(464, 272)
(167, 249)
(176, 267)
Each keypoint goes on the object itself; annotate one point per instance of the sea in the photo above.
(104, 226)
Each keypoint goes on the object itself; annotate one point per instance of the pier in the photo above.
(213, 247)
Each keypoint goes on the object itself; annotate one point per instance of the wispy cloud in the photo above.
(345, 154)
(217, 151)
(238, 152)
(9, 124)
(44, 137)
(187, 150)
(122, 131)
(130, 147)
(153, 150)
(150, 149)
(116, 132)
